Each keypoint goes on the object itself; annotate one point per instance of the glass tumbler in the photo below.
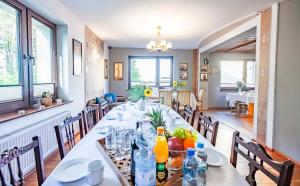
(110, 139)
(119, 151)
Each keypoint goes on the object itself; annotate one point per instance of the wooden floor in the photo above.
(223, 145)
(242, 124)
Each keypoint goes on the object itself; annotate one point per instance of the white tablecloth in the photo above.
(225, 175)
(245, 97)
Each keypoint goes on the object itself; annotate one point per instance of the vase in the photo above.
(141, 105)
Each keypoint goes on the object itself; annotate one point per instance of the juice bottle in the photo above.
(161, 156)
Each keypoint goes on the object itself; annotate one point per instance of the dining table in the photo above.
(87, 147)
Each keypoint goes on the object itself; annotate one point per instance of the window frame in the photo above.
(244, 78)
(31, 14)
(24, 49)
(157, 70)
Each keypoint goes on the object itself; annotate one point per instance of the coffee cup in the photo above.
(95, 172)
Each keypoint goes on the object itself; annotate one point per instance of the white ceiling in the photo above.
(132, 23)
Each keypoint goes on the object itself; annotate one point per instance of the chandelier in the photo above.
(159, 45)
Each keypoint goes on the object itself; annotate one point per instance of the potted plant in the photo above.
(139, 94)
(47, 99)
(241, 85)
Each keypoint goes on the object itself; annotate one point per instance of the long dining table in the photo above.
(225, 175)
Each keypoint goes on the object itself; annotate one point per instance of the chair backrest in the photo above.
(208, 126)
(201, 94)
(188, 114)
(9, 155)
(90, 117)
(175, 105)
(167, 97)
(68, 127)
(260, 160)
(105, 108)
(183, 96)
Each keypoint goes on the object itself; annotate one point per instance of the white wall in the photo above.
(121, 55)
(287, 125)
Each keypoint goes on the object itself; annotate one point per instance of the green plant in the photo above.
(138, 92)
(156, 119)
(241, 85)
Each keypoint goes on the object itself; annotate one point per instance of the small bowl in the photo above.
(176, 158)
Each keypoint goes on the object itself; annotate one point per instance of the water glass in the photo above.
(110, 139)
(120, 116)
(119, 152)
(128, 137)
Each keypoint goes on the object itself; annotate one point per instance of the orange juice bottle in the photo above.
(161, 154)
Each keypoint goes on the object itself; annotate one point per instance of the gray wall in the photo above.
(216, 97)
(121, 55)
(287, 111)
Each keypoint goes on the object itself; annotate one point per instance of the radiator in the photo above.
(44, 129)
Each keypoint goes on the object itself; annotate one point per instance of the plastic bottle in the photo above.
(201, 157)
(161, 155)
(189, 171)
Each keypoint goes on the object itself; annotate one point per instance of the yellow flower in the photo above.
(175, 83)
(147, 92)
(183, 83)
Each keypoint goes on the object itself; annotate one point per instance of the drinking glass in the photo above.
(119, 140)
(128, 137)
(110, 139)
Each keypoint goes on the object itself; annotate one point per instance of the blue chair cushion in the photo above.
(110, 97)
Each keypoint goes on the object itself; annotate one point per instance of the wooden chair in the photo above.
(68, 127)
(90, 117)
(183, 96)
(9, 155)
(188, 114)
(200, 99)
(175, 105)
(258, 159)
(205, 123)
(105, 108)
(166, 96)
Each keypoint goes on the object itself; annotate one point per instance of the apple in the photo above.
(175, 143)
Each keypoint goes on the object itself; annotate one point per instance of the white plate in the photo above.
(215, 158)
(111, 117)
(68, 171)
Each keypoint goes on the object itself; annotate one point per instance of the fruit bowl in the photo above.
(176, 158)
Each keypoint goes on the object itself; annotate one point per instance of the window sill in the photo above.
(14, 115)
(234, 89)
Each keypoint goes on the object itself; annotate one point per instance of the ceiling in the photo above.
(242, 43)
(132, 23)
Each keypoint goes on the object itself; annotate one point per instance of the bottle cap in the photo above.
(190, 152)
(200, 144)
(160, 130)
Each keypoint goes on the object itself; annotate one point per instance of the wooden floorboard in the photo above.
(223, 145)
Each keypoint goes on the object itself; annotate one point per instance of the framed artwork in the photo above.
(77, 58)
(118, 70)
(204, 77)
(204, 68)
(183, 67)
(183, 75)
(105, 69)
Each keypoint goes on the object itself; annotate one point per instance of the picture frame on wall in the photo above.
(204, 77)
(183, 67)
(204, 68)
(118, 70)
(105, 69)
(77, 58)
(183, 75)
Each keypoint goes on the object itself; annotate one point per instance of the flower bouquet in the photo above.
(178, 84)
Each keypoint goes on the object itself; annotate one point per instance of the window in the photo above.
(150, 71)
(237, 70)
(27, 56)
